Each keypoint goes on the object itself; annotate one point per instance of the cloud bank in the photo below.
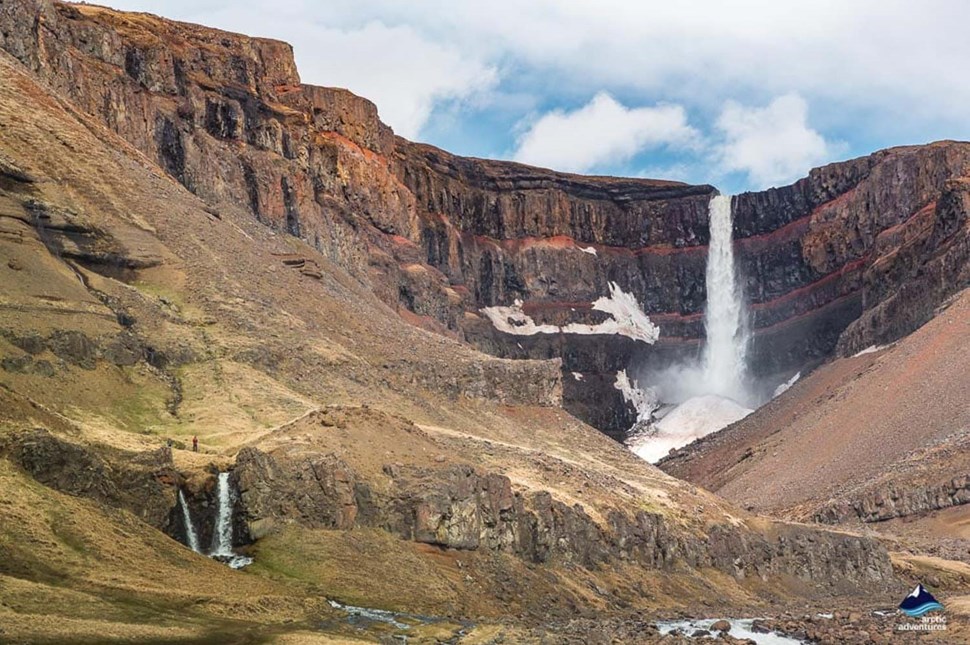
(771, 145)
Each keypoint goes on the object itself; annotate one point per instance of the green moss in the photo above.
(142, 407)
(649, 506)
(159, 291)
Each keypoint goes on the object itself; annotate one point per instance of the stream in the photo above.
(365, 618)
(740, 628)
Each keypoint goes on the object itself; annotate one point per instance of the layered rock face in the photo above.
(139, 482)
(460, 507)
(135, 316)
(857, 253)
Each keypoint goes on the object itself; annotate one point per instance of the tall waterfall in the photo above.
(190, 532)
(724, 319)
(710, 394)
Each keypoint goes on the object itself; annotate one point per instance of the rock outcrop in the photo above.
(450, 506)
(457, 507)
(895, 501)
(145, 483)
(857, 253)
(139, 482)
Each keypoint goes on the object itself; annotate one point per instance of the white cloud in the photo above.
(772, 144)
(402, 72)
(601, 132)
(706, 51)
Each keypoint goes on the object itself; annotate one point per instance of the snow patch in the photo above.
(781, 389)
(512, 320)
(626, 319)
(643, 401)
(694, 418)
(870, 350)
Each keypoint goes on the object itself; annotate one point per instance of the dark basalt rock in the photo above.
(460, 508)
(139, 482)
(894, 501)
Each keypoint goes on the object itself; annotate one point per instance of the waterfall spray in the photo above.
(727, 335)
(190, 534)
(713, 393)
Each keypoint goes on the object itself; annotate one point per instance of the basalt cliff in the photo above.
(856, 253)
(194, 244)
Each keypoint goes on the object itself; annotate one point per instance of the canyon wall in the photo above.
(857, 253)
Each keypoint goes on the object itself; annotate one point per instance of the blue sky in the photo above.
(743, 95)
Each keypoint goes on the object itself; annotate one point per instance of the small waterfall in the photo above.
(190, 533)
(724, 369)
(222, 535)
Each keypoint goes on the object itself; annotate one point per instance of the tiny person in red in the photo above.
(195, 444)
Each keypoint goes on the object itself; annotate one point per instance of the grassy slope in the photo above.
(70, 569)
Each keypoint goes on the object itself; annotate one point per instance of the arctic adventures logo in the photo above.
(916, 605)
(919, 602)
